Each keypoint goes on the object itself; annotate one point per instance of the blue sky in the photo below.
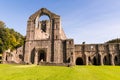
(92, 21)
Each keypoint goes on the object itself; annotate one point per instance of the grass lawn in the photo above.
(33, 72)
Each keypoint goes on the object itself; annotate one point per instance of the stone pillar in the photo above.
(112, 60)
(74, 59)
(86, 59)
(36, 57)
(71, 59)
(4, 57)
(101, 59)
(87, 62)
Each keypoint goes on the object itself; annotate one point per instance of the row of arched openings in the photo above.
(96, 61)
(41, 56)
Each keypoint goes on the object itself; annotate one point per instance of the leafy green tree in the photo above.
(9, 39)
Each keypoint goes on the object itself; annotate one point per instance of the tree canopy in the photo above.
(114, 41)
(9, 39)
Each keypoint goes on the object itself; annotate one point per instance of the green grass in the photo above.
(33, 72)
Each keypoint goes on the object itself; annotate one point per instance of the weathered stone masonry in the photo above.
(46, 43)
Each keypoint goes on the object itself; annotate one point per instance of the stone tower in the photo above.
(44, 38)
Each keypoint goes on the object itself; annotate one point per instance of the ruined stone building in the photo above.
(46, 43)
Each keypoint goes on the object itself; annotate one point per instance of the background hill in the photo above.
(9, 39)
(117, 40)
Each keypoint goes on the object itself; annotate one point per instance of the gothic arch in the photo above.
(32, 56)
(105, 61)
(110, 59)
(41, 56)
(44, 17)
(94, 61)
(41, 12)
(116, 60)
(79, 61)
(89, 59)
(99, 59)
(68, 60)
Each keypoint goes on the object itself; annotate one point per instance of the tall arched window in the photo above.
(43, 18)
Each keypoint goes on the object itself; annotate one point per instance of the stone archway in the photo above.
(41, 56)
(116, 60)
(68, 60)
(32, 56)
(99, 59)
(105, 62)
(79, 61)
(94, 61)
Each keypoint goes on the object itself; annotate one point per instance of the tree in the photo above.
(9, 39)
(114, 41)
(2, 24)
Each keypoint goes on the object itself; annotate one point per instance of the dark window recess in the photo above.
(43, 26)
(116, 59)
(56, 37)
(0, 58)
(70, 42)
(79, 61)
(89, 58)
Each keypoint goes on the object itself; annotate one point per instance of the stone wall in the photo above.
(15, 56)
(98, 54)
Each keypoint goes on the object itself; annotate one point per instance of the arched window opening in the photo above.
(20, 56)
(43, 22)
(43, 26)
(79, 61)
(44, 17)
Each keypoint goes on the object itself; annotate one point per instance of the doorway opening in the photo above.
(79, 61)
(105, 60)
(94, 61)
(41, 56)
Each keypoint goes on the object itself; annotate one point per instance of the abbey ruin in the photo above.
(46, 44)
